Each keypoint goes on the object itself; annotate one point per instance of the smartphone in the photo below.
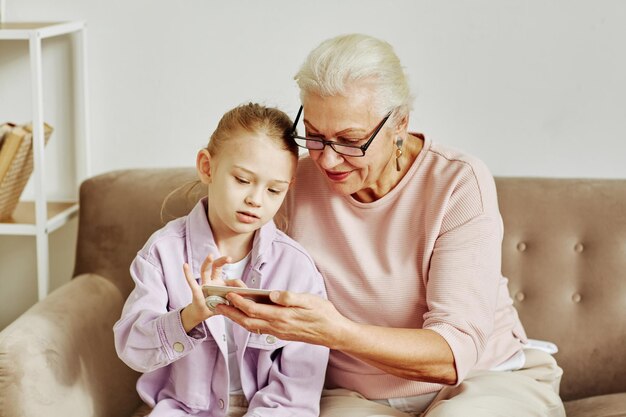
(216, 294)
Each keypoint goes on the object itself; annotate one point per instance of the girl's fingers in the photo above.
(216, 273)
(235, 283)
(191, 281)
(212, 269)
(205, 270)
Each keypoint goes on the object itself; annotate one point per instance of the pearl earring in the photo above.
(399, 142)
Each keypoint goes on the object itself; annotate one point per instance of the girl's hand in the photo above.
(210, 274)
(301, 317)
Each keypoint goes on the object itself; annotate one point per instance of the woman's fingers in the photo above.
(236, 315)
(252, 315)
(247, 313)
(291, 299)
(295, 316)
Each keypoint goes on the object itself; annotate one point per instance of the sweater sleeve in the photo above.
(464, 272)
(148, 336)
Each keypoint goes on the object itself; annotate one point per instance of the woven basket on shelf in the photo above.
(13, 183)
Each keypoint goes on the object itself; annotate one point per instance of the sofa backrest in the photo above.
(119, 211)
(564, 252)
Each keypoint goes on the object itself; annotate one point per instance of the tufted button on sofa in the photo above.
(564, 251)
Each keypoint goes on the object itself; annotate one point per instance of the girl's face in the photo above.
(351, 119)
(248, 180)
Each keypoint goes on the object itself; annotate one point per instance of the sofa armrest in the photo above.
(58, 358)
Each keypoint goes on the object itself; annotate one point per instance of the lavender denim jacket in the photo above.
(188, 372)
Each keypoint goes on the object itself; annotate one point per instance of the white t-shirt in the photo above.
(233, 271)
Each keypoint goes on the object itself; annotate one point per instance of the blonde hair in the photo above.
(254, 118)
(339, 62)
(251, 118)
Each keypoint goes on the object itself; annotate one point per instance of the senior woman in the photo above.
(407, 235)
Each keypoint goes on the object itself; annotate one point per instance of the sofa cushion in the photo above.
(564, 254)
(142, 411)
(613, 405)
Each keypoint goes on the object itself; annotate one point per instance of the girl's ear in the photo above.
(203, 166)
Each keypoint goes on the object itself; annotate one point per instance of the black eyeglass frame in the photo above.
(332, 144)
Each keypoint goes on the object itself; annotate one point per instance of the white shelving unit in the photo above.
(41, 217)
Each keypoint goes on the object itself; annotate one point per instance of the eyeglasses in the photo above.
(317, 144)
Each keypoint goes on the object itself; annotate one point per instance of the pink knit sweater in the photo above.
(426, 255)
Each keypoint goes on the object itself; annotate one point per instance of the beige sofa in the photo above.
(564, 251)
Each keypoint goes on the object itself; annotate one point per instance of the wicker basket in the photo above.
(13, 183)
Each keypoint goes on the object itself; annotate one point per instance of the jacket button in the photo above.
(221, 403)
(521, 246)
(520, 296)
(178, 347)
(270, 339)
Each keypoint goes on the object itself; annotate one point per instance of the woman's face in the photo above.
(348, 119)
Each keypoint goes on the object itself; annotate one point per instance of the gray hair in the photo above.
(338, 63)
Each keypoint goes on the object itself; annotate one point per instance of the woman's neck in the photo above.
(390, 176)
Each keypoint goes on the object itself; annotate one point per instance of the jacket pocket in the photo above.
(191, 376)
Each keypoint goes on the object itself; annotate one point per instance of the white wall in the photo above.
(534, 88)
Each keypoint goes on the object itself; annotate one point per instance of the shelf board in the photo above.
(23, 220)
(24, 30)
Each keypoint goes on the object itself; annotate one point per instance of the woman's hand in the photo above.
(415, 354)
(301, 317)
(210, 274)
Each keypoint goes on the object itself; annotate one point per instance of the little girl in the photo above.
(195, 362)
